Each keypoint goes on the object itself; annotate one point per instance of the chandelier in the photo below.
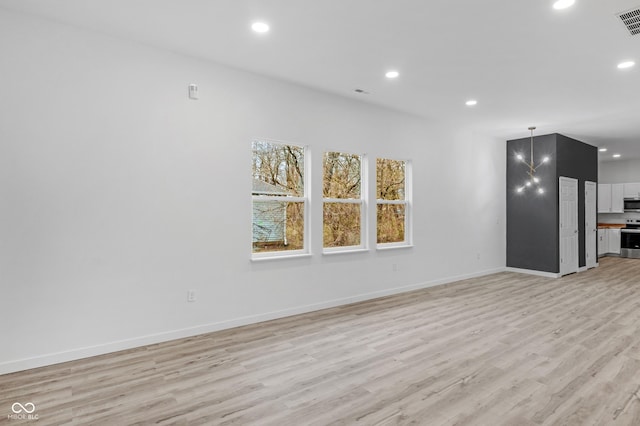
(533, 181)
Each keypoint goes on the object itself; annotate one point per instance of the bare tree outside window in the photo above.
(278, 195)
(391, 201)
(342, 200)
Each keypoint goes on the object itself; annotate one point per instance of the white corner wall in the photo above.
(619, 171)
(118, 194)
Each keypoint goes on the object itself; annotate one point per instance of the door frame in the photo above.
(594, 231)
(574, 267)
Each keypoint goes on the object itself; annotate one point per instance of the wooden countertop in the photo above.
(611, 225)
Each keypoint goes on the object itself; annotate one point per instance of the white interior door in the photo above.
(590, 224)
(568, 225)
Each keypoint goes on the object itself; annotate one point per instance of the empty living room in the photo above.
(364, 212)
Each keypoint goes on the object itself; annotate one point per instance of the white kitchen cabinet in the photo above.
(614, 241)
(604, 198)
(610, 198)
(632, 190)
(603, 243)
(608, 241)
(617, 198)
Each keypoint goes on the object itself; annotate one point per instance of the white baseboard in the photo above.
(79, 353)
(534, 272)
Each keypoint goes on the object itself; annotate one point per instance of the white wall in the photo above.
(118, 194)
(622, 171)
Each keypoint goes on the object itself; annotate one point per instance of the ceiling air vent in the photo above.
(631, 20)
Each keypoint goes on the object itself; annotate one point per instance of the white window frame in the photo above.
(305, 251)
(364, 243)
(407, 203)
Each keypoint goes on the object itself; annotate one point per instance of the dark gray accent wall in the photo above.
(533, 238)
(531, 231)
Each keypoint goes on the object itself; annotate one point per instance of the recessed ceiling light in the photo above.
(563, 4)
(471, 102)
(260, 27)
(626, 64)
(392, 74)
(616, 155)
(603, 150)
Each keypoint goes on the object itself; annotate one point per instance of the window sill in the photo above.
(332, 252)
(394, 247)
(279, 257)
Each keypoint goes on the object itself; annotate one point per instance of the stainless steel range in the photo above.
(630, 239)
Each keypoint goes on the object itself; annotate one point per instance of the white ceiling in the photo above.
(526, 63)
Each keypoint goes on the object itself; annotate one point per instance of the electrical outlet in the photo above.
(394, 267)
(193, 91)
(191, 296)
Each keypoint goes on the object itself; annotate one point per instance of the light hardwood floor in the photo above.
(506, 349)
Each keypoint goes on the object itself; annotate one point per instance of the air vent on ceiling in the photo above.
(631, 20)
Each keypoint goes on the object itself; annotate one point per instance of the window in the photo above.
(343, 202)
(279, 199)
(392, 203)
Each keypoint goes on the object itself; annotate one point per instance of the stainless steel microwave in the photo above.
(632, 204)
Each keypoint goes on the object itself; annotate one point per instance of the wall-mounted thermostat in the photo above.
(193, 91)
